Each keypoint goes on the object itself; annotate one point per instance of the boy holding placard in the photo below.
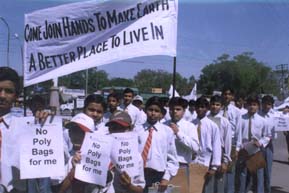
(128, 163)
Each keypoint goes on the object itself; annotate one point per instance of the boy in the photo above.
(207, 161)
(190, 113)
(232, 113)
(127, 106)
(252, 129)
(120, 122)
(138, 102)
(157, 146)
(216, 104)
(268, 113)
(186, 140)
(113, 102)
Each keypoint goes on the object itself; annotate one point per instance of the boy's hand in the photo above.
(174, 128)
(163, 185)
(76, 158)
(224, 168)
(125, 179)
(40, 117)
(256, 142)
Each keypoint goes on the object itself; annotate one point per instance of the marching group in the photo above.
(210, 145)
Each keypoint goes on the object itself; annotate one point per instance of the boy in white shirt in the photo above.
(157, 146)
(252, 129)
(207, 161)
(216, 104)
(186, 139)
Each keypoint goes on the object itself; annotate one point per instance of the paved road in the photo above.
(280, 170)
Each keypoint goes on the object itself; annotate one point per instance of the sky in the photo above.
(206, 30)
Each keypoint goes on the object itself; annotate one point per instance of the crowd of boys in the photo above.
(201, 146)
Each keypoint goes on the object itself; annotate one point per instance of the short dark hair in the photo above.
(202, 101)
(253, 99)
(178, 101)
(7, 73)
(93, 98)
(217, 99)
(114, 95)
(268, 99)
(155, 100)
(128, 90)
(192, 103)
(227, 88)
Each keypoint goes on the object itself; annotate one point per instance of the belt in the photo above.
(183, 165)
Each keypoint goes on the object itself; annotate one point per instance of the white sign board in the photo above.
(77, 36)
(95, 158)
(281, 123)
(41, 148)
(124, 154)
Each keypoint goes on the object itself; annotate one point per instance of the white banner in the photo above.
(41, 148)
(73, 37)
(124, 153)
(95, 159)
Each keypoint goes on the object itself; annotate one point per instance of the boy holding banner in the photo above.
(186, 140)
(128, 163)
(156, 142)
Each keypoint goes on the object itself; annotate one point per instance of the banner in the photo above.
(41, 148)
(95, 159)
(73, 37)
(125, 153)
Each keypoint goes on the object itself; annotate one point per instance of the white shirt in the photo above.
(133, 112)
(225, 134)
(233, 115)
(270, 121)
(259, 130)
(9, 157)
(100, 127)
(162, 155)
(210, 143)
(190, 116)
(186, 140)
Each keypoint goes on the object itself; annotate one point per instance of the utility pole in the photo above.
(283, 69)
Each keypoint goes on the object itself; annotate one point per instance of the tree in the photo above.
(147, 79)
(243, 73)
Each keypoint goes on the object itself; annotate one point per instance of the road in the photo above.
(280, 170)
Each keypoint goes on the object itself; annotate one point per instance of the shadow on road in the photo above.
(281, 162)
(277, 189)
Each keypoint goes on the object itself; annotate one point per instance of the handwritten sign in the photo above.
(41, 148)
(281, 123)
(124, 153)
(95, 159)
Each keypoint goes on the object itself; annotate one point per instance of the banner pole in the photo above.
(24, 101)
(174, 76)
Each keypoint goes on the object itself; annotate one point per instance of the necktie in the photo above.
(147, 146)
(225, 113)
(199, 131)
(250, 128)
(194, 155)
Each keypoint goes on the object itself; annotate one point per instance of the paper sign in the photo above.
(281, 123)
(124, 154)
(95, 159)
(41, 148)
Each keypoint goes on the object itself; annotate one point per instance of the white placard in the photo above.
(77, 36)
(281, 123)
(95, 158)
(124, 154)
(41, 148)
